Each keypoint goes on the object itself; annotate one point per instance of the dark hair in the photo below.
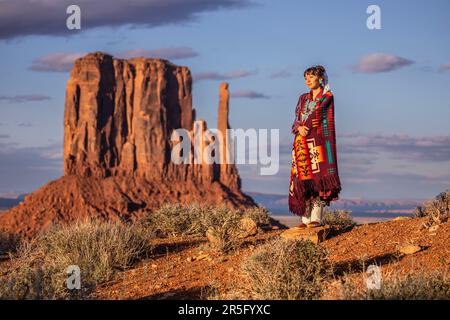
(317, 70)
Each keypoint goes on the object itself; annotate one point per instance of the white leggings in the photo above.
(314, 212)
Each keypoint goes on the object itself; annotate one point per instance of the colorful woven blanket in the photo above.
(314, 168)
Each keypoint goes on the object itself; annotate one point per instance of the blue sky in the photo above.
(390, 85)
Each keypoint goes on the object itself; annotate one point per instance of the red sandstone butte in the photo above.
(118, 120)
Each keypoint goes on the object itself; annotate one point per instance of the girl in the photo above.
(314, 180)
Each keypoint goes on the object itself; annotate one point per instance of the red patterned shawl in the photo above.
(314, 168)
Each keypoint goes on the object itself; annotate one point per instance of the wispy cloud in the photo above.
(380, 62)
(63, 61)
(165, 53)
(285, 73)
(24, 124)
(23, 169)
(4, 136)
(55, 62)
(250, 94)
(24, 98)
(399, 146)
(47, 17)
(222, 76)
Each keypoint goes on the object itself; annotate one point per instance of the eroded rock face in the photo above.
(118, 121)
(228, 171)
(120, 113)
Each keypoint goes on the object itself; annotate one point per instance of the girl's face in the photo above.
(312, 81)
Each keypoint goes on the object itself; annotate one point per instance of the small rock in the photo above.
(315, 235)
(154, 266)
(231, 269)
(203, 256)
(433, 228)
(275, 227)
(190, 259)
(401, 218)
(247, 228)
(410, 249)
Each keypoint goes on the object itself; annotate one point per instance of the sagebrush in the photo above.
(287, 270)
(412, 286)
(100, 249)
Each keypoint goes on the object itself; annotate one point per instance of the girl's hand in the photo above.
(303, 130)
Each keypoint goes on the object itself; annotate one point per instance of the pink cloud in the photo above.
(55, 62)
(250, 94)
(380, 62)
(222, 76)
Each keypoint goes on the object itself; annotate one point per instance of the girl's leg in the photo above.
(317, 210)
(307, 217)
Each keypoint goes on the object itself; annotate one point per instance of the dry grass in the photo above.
(220, 223)
(100, 249)
(340, 219)
(177, 220)
(260, 215)
(287, 270)
(437, 210)
(171, 220)
(412, 286)
(8, 243)
(223, 228)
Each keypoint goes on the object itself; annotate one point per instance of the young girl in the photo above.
(314, 180)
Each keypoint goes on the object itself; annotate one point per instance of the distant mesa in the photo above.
(118, 120)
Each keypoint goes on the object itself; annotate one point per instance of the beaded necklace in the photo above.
(309, 107)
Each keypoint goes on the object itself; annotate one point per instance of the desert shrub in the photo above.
(8, 242)
(434, 286)
(338, 218)
(99, 249)
(260, 215)
(195, 219)
(177, 220)
(222, 225)
(437, 210)
(287, 270)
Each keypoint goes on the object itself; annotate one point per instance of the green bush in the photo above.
(287, 270)
(99, 249)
